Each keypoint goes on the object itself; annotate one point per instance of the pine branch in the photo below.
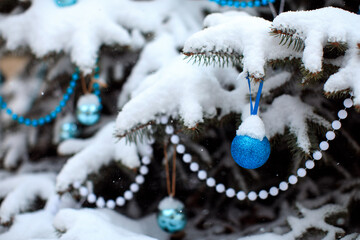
(221, 59)
(137, 133)
(288, 37)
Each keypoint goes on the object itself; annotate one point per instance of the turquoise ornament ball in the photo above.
(65, 3)
(68, 130)
(88, 114)
(172, 220)
(88, 109)
(250, 153)
(171, 215)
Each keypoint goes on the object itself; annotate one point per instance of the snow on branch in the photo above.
(321, 27)
(183, 91)
(311, 219)
(74, 224)
(78, 30)
(280, 114)
(91, 154)
(19, 193)
(236, 36)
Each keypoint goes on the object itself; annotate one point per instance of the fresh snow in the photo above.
(170, 203)
(253, 127)
(195, 94)
(240, 34)
(289, 111)
(318, 27)
(19, 192)
(75, 30)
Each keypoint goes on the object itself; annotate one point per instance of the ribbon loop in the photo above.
(254, 108)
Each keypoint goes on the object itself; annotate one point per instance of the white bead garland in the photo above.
(273, 191)
(128, 194)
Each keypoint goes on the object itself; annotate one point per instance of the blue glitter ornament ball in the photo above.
(65, 3)
(68, 130)
(171, 217)
(250, 153)
(88, 109)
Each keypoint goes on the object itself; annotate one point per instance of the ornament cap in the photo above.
(88, 99)
(170, 203)
(253, 127)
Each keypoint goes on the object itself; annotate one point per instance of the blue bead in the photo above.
(41, 121)
(237, 4)
(62, 103)
(47, 118)
(68, 130)
(272, 1)
(3, 105)
(264, 2)
(53, 114)
(96, 85)
(96, 75)
(15, 117)
(230, 3)
(27, 122)
(34, 123)
(250, 4)
(250, 153)
(66, 97)
(243, 4)
(75, 76)
(69, 90)
(172, 220)
(58, 109)
(21, 119)
(72, 84)
(88, 114)
(8, 111)
(65, 3)
(257, 3)
(97, 92)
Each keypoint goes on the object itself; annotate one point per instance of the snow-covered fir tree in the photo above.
(109, 107)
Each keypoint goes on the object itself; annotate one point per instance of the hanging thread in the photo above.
(171, 185)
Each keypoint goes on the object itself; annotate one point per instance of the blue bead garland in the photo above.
(243, 4)
(49, 117)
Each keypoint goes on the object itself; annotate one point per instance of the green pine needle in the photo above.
(221, 59)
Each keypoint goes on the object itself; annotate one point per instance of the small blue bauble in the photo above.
(172, 220)
(68, 130)
(65, 3)
(250, 153)
(88, 114)
(88, 109)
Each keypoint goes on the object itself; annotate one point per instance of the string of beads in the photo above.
(243, 4)
(49, 117)
(100, 202)
(262, 194)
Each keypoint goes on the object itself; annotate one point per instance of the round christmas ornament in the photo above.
(250, 147)
(88, 109)
(68, 130)
(171, 216)
(65, 3)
